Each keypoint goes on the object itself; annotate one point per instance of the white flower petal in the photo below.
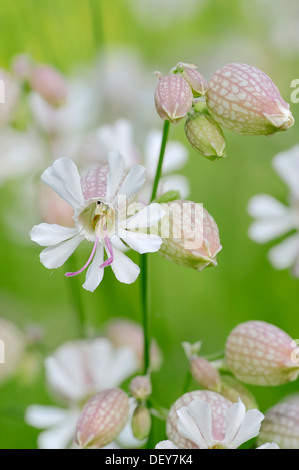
(133, 182)
(55, 256)
(124, 269)
(141, 242)
(175, 154)
(264, 206)
(116, 168)
(202, 416)
(61, 436)
(63, 177)
(265, 231)
(110, 366)
(269, 445)
(146, 217)
(249, 428)
(166, 445)
(233, 420)
(94, 273)
(42, 417)
(287, 166)
(286, 253)
(51, 234)
(191, 429)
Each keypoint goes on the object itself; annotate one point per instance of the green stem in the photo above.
(144, 263)
(187, 382)
(97, 22)
(161, 157)
(145, 311)
(76, 298)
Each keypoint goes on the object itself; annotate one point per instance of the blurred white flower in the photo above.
(99, 201)
(20, 153)
(120, 137)
(76, 371)
(274, 219)
(196, 422)
(11, 91)
(12, 349)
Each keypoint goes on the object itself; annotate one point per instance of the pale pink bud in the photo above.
(22, 66)
(281, 424)
(232, 389)
(190, 235)
(196, 81)
(245, 100)
(50, 84)
(219, 406)
(204, 374)
(205, 136)
(173, 98)
(141, 422)
(259, 353)
(127, 333)
(102, 419)
(141, 387)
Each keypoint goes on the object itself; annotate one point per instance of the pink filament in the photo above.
(110, 249)
(88, 261)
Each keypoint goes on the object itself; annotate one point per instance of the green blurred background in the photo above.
(186, 305)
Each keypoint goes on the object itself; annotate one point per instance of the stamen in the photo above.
(110, 249)
(88, 261)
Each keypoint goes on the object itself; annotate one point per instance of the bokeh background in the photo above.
(128, 40)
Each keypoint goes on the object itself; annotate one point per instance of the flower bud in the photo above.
(102, 419)
(50, 84)
(190, 235)
(141, 422)
(259, 353)
(205, 374)
(232, 389)
(196, 81)
(281, 424)
(141, 387)
(173, 98)
(205, 136)
(219, 405)
(245, 100)
(22, 66)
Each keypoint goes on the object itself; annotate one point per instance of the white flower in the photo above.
(197, 424)
(99, 202)
(274, 219)
(74, 372)
(120, 137)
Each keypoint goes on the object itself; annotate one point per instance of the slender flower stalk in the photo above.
(144, 261)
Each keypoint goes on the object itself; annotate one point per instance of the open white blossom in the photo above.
(76, 371)
(274, 219)
(120, 137)
(197, 424)
(99, 201)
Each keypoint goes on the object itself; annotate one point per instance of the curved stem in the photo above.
(76, 299)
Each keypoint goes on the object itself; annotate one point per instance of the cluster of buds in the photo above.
(43, 79)
(141, 389)
(239, 97)
(206, 374)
